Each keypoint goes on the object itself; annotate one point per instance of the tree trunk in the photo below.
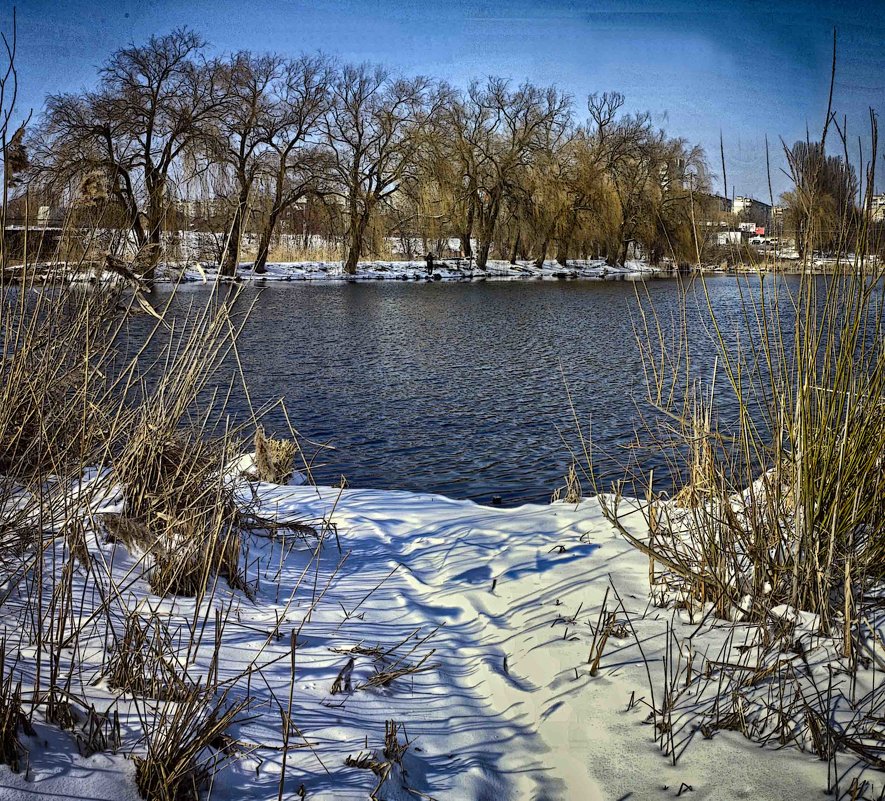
(466, 246)
(804, 244)
(483, 246)
(122, 190)
(357, 230)
(151, 252)
(259, 266)
(232, 248)
(155, 222)
(542, 254)
(134, 215)
(305, 224)
(564, 242)
(487, 220)
(514, 252)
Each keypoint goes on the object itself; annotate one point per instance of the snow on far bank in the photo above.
(449, 270)
(333, 271)
(498, 607)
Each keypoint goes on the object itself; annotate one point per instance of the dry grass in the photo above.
(144, 661)
(70, 400)
(57, 352)
(112, 433)
(274, 458)
(12, 718)
(176, 495)
(780, 450)
(390, 760)
(181, 509)
(282, 252)
(572, 492)
(185, 745)
(152, 434)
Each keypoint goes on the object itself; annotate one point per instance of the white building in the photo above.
(729, 237)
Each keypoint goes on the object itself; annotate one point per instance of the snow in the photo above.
(449, 270)
(498, 607)
(333, 271)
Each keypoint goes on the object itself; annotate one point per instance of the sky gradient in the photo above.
(749, 69)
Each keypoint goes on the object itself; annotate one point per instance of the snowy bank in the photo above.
(450, 270)
(474, 627)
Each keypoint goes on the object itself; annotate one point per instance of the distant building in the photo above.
(731, 237)
(721, 204)
(778, 214)
(879, 208)
(749, 209)
(200, 209)
(673, 173)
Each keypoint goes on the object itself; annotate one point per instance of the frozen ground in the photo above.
(495, 608)
(449, 270)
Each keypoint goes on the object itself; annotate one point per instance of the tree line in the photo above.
(364, 154)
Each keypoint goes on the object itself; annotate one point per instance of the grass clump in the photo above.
(178, 503)
(274, 458)
(572, 492)
(57, 348)
(784, 499)
(180, 510)
(144, 662)
(184, 747)
(12, 718)
(777, 517)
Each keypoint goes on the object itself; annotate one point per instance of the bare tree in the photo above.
(373, 129)
(153, 101)
(241, 136)
(297, 160)
(504, 166)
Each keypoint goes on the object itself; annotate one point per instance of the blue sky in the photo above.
(745, 68)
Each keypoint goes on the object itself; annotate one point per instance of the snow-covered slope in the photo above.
(495, 608)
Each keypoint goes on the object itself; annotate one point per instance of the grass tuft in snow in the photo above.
(144, 661)
(12, 718)
(185, 746)
(274, 458)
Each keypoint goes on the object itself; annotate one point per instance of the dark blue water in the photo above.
(461, 388)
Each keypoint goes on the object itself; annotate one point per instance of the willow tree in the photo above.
(633, 155)
(494, 133)
(821, 206)
(588, 216)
